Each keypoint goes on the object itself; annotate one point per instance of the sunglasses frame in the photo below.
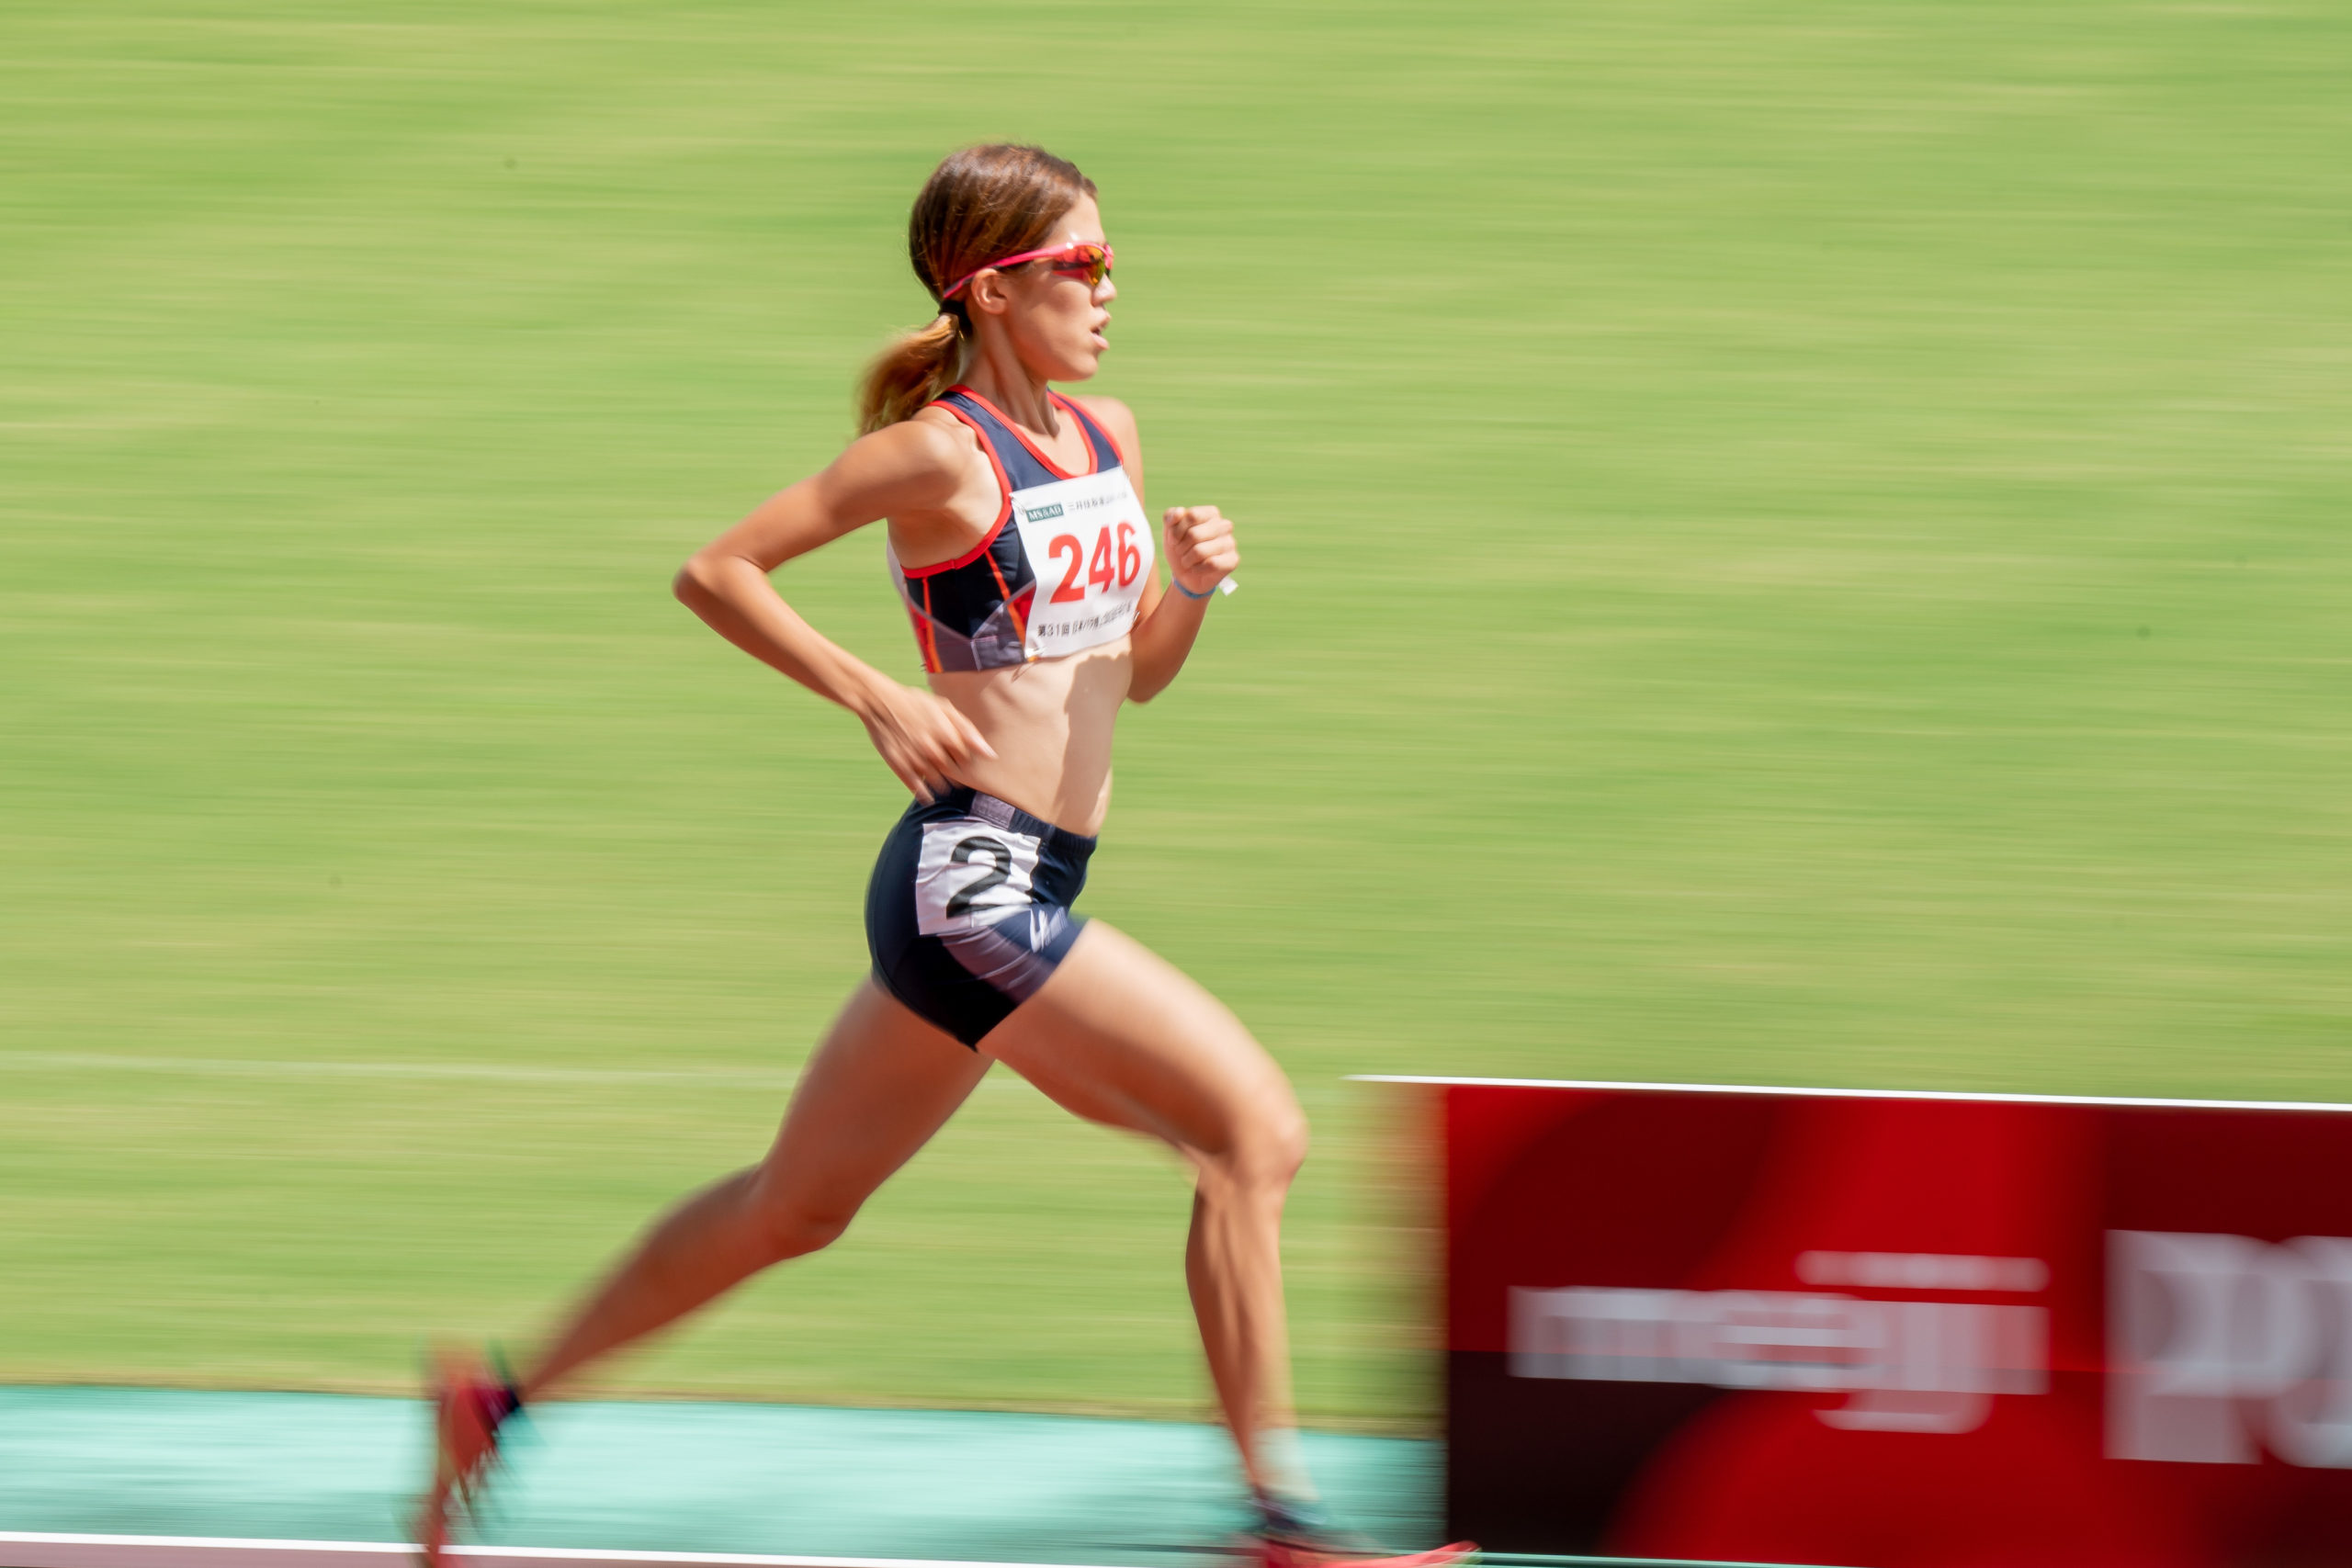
(1095, 269)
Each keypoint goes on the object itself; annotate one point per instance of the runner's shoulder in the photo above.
(1108, 410)
(1117, 420)
(934, 432)
(928, 443)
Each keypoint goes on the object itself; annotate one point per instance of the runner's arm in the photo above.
(1198, 543)
(905, 468)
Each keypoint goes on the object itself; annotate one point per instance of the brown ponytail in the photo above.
(982, 203)
(915, 368)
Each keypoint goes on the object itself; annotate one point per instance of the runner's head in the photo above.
(1009, 241)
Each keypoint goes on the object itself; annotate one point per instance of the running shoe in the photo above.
(1274, 1553)
(1292, 1534)
(471, 1402)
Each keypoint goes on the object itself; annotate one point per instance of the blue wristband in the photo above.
(1186, 591)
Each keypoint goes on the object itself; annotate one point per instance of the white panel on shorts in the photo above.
(970, 873)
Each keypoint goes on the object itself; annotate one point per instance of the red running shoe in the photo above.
(1278, 1554)
(471, 1402)
(1292, 1534)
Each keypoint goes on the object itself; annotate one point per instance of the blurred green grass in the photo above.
(1787, 544)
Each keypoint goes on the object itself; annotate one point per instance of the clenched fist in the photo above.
(1201, 551)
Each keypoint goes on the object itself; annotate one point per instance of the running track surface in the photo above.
(675, 1477)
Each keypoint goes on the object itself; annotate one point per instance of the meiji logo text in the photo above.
(1910, 1366)
(2220, 1346)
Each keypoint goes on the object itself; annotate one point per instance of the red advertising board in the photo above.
(1896, 1331)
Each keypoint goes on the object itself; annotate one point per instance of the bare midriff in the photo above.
(1049, 722)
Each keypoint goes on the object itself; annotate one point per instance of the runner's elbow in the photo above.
(696, 584)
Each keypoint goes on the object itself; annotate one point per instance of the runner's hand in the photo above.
(1201, 552)
(924, 738)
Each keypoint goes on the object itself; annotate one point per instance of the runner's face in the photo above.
(1057, 318)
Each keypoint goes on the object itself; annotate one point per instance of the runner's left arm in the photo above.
(1198, 542)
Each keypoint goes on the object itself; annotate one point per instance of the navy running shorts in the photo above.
(968, 911)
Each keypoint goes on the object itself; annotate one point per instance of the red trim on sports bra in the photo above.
(928, 630)
(1004, 595)
(1019, 434)
(1004, 511)
(1094, 424)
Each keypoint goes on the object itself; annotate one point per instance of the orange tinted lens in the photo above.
(1089, 262)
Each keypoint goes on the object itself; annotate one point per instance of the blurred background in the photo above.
(1793, 544)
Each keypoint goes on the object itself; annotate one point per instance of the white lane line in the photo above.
(37, 1549)
(1856, 1093)
(228, 1067)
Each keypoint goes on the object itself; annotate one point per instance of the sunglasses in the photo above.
(1085, 259)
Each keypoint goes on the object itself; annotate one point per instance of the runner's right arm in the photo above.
(909, 466)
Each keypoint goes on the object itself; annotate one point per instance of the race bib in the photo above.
(969, 872)
(1091, 552)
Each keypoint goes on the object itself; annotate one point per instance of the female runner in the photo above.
(1017, 540)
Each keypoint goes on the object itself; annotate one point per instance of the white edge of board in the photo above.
(1786, 1091)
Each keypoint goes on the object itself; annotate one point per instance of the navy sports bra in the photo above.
(1063, 569)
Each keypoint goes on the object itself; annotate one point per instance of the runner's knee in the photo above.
(793, 1226)
(1263, 1151)
(1288, 1138)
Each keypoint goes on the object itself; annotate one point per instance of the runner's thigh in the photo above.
(873, 1093)
(1120, 1036)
